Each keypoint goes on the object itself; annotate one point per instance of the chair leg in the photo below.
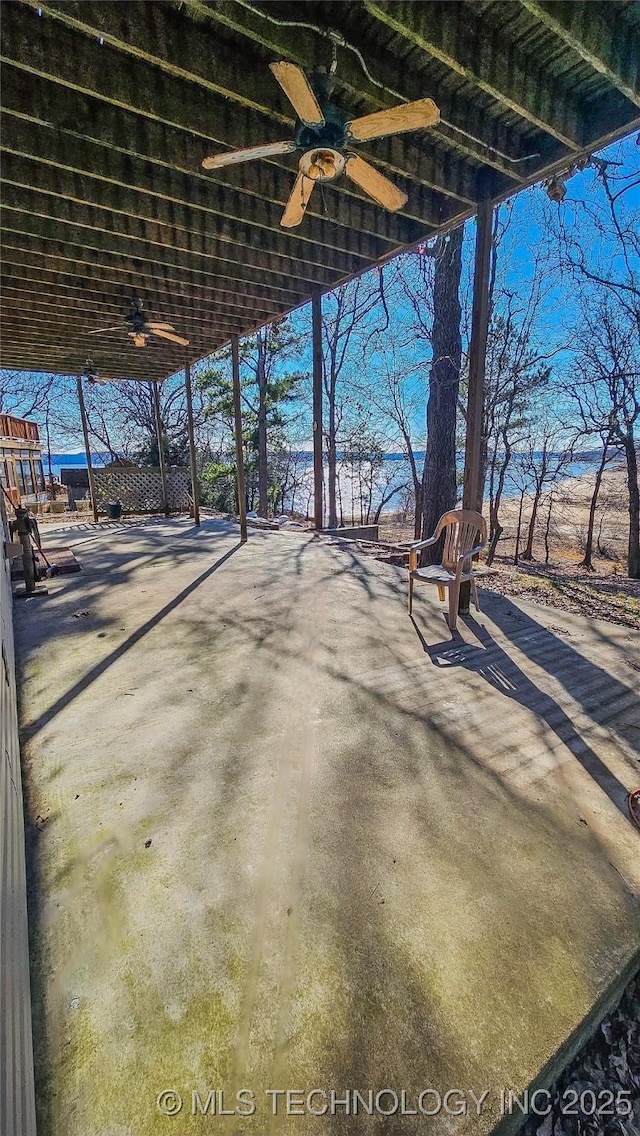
(410, 594)
(474, 593)
(454, 595)
(441, 593)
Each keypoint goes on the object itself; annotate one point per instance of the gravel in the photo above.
(607, 1072)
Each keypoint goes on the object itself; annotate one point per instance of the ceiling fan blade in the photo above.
(269, 150)
(172, 338)
(298, 201)
(159, 326)
(375, 184)
(395, 120)
(298, 90)
(103, 330)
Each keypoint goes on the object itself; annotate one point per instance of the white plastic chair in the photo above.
(461, 531)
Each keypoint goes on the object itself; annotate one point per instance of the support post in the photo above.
(161, 461)
(473, 489)
(318, 475)
(192, 444)
(237, 410)
(87, 450)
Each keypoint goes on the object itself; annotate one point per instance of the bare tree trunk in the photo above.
(52, 493)
(417, 485)
(516, 555)
(587, 560)
(417, 525)
(547, 529)
(601, 549)
(332, 461)
(495, 527)
(633, 559)
(439, 476)
(263, 471)
(528, 552)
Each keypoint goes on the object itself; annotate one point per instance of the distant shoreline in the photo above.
(583, 463)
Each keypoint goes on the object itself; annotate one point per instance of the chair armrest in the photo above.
(470, 553)
(423, 543)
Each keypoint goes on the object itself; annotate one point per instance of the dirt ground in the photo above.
(606, 593)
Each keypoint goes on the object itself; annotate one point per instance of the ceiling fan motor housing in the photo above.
(331, 133)
(137, 321)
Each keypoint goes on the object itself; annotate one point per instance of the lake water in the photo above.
(395, 473)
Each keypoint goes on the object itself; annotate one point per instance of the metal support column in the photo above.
(473, 489)
(161, 461)
(87, 450)
(192, 444)
(237, 410)
(318, 476)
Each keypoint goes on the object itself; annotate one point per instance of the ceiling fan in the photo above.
(139, 329)
(92, 376)
(323, 134)
(90, 372)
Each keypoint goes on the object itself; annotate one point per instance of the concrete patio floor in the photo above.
(381, 857)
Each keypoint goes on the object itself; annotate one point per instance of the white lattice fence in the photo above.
(140, 489)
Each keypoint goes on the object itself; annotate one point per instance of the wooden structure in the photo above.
(87, 447)
(461, 528)
(21, 471)
(193, 463)
(143, 489)
(17, 1103)
(109, 109)
(237, 412)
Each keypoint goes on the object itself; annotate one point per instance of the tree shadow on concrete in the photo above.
(101, 667)
(593, 688)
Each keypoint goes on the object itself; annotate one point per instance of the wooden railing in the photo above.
(20, 428)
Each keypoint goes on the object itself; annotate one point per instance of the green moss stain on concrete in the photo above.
(157, 1054)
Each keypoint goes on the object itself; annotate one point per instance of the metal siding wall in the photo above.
(17, 1102)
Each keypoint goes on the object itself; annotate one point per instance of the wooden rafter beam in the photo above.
(69, 345)
(52, 293)
(23, 310)
(58, 219)
(73, 348)
(32, 98)
(456, 36)
(70, 54)
(50, 323)
(66, 361)
(20, 311)
(599, 35)
(173, 224)
(22, 250)
(130, 175)
(312, 50)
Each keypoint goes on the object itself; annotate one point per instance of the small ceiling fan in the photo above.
(90, 372)
(323, 134)
(139, 329)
